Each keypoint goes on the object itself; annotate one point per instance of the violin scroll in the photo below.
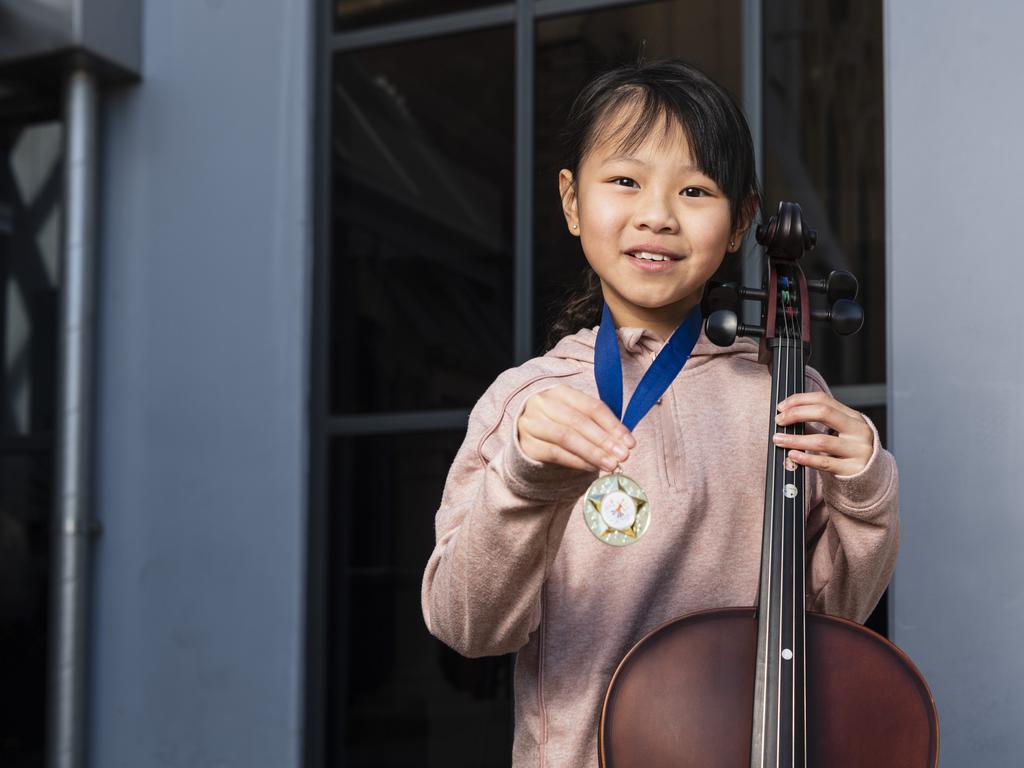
(784, 296)
(784, 235)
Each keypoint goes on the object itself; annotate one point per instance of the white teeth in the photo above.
(650, 256)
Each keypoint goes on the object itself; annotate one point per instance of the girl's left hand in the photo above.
(843, 450)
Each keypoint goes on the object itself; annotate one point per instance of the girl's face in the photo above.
(653, 227)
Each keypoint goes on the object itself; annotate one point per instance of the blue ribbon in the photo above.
(657, 379)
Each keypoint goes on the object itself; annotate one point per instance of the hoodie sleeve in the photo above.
(499, 527)
(852, 534)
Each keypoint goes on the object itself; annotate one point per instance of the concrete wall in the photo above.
(205, 256)
(955, 167)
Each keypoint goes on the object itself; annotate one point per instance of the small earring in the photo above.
(574, 226)
(732, 243)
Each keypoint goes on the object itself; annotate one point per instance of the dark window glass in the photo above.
(825, 149)
(824, 141)
(397, 696)
(570, 50)
(26, 479)
(423, 210)
(30, 187)
(352, 14)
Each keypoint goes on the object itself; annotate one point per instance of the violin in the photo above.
(772, 685)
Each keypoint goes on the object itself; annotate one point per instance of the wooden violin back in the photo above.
(681, 698)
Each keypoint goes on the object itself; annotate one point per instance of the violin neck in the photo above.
(777, 737)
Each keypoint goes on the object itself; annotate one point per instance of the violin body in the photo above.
(682, 698)
(772, 686)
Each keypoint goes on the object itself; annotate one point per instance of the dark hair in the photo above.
(666, 91)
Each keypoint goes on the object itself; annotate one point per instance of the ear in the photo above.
(570, 202)
(747, 213)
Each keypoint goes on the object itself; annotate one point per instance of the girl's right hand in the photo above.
(564, 426)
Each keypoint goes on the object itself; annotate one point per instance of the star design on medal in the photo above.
(619, 511)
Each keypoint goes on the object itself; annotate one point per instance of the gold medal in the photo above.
(616, 509)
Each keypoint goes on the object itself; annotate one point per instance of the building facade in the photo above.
(321, 230)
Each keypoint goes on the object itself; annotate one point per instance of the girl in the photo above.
(659, 186)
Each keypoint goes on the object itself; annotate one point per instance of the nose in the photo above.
(655, 213)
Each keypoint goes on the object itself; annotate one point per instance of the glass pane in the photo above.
(570, 49)
(30, 197)
(423, 211)
(399, 696)
(353, 14)
(30, 211)
(26, 496)
(824, 141)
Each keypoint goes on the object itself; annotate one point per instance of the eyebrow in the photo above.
(631, 159)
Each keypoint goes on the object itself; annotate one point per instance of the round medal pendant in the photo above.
(616, 510)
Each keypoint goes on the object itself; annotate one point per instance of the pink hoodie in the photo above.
(516, 569)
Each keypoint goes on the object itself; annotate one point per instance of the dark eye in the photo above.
(694, 192)
(624, 181)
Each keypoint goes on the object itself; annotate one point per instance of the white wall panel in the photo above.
(955, 164)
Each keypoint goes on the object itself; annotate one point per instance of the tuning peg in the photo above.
(839, 284)
(847, 317)
(720, 296)
(753, 294)
(724, 326)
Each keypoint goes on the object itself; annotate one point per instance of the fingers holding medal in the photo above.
(564, 426)
(615, 508)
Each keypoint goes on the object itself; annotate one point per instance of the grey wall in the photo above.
(203, 345)
(955, 169)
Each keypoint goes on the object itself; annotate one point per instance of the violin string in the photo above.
(780, 350)
(796, 337)
(796, 353)
(796, 560)
(786, 509)
(782, 379)
(766, 587)
(799, 502)
(801, 554)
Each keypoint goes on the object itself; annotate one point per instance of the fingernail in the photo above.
(609, 464)
(778, 437)
(621, 451)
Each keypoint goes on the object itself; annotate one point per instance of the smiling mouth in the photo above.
(648, 256)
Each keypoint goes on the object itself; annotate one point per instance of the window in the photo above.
(825, 148)
(30, 211)
(438, 139)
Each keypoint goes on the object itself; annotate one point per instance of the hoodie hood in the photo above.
(640, 342)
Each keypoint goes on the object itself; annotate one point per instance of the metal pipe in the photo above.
(72, 528)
